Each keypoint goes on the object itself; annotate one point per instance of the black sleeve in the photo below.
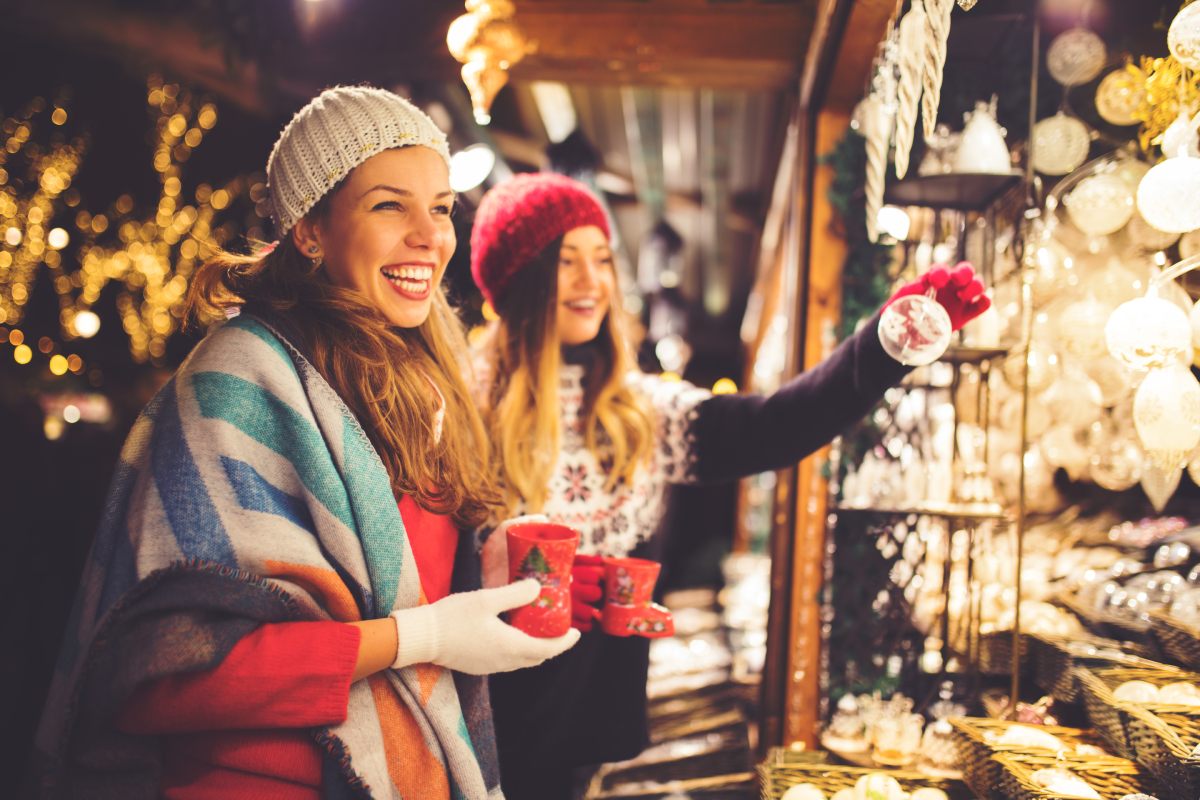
(741, 434)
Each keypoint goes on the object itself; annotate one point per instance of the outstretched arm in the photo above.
(739, 435)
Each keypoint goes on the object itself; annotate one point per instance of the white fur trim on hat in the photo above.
(338, 130)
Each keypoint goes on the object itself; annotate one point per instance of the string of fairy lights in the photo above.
(149, 259)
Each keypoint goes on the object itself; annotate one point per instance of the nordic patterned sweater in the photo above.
(700, 438)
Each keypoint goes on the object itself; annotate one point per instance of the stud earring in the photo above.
(312, 249)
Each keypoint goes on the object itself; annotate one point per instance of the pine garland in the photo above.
(866, 283)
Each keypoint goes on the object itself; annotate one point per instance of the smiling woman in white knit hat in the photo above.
(277, 602)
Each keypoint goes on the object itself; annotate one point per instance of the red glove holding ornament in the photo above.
(587, 573)
(959, 291)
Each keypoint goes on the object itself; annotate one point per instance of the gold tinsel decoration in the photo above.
(1166, 82)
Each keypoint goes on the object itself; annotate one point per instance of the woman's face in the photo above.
(586, 280)
(388, 233)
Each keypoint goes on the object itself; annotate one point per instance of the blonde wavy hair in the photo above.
(382, 372)
(521, 354)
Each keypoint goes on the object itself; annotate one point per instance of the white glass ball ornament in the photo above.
(1146, 236)
(1159, 484)
(1168, 195)
(915, 330)
(1166, 415)
(1076, 56)
(804, 791)
(1149, 332)
(1193, 470)
(1118, 98)
(1100, 205)
(1183, 37)
(1194, 319)
(1060, 144)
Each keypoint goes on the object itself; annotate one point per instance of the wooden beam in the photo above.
(666, 42)
(827, 252)
(863, 33)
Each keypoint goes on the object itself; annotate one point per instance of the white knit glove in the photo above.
(464, 632)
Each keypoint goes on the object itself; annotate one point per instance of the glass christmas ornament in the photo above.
(1044, 368)
(1146, 236)
(1149, 332)
(982, 148)
(1076, 56)
(1166, 415)
(1180, 139)
(1074, 399)
(915, 330)
(1060, 144)
(1118, 98)
(1159, 484)
(1166, 197)
(1100, 205)
(1116, 465)
(1194, 319)
(1183, 37)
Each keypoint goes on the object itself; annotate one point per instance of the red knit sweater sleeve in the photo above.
(283, 675)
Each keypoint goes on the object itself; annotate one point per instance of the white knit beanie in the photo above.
(338, 130)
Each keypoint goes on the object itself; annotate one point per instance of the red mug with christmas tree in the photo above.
(543, 551)
(628, 608)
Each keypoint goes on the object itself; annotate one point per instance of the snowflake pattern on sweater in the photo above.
(613, 523)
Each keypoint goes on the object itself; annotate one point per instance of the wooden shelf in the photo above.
(963, 511)
(959, 191)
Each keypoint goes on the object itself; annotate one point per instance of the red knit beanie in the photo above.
(519, 218)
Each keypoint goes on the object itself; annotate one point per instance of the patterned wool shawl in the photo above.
(247, 493)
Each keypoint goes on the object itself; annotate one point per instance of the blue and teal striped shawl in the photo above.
(247, 493)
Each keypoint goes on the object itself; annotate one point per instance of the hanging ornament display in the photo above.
(1119, 96)
(1060, 144)
(1100, 205)
(1131, 170)
(1166, 415)
(1076, 57)
(913, 30)
(1183, 37)
(876, 130)
(1159, 484)
(1166, 197)
(937, 23)
(880, 114)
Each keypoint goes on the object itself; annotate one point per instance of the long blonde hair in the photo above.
(521, 403)
(381, 372)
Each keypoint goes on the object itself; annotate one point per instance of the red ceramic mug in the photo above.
(628, 608)
(543, 551)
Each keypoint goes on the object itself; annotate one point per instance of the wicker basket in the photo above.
(995, 653)
(1108, 626)
(976, 747)
(1054, 664)
(1163, 744)
(1109, 715)
(1112, 780)
(1179, 642)
(781, 771)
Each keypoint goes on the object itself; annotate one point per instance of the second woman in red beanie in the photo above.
(581, 435)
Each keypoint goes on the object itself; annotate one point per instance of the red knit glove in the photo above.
(959, 291)
(587, 573)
